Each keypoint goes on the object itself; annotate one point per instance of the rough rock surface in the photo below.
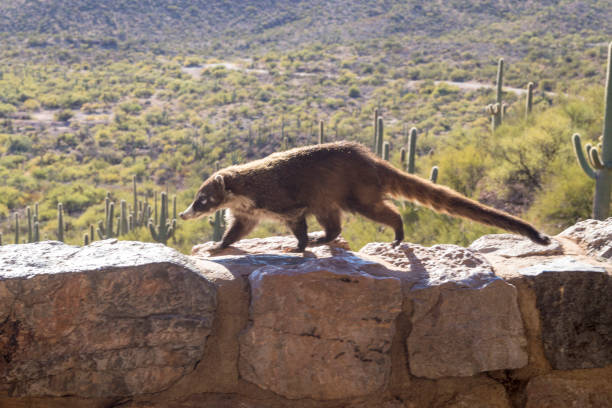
(574, 299)
(509, 245)
(465, 319)
(272, 245)
(110, 319)
(321, 329)
(581, 388)
(595, 236)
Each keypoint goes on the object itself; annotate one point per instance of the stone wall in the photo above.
(503, 323)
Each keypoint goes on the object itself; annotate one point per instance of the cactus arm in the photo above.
(152, 229)
(100, 229)
(595, 160)
(581, 158)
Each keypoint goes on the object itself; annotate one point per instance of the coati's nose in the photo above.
(182, 215)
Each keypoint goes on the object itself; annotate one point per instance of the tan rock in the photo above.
(593, 235)
(321, 329)
(565, 389)
(272, 245)
(465, 319)
(509, 245)
(110, 319)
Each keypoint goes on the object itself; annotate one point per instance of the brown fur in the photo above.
(325, 180)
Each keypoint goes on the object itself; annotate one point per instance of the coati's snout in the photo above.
(209, 198)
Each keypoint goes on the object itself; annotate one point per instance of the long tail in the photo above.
(443, 199)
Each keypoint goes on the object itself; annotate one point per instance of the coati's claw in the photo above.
(395, 243)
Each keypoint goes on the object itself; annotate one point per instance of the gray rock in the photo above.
(110, 319)
(321, 329)
(574, 300)
(594, 235)
(465, 319)
(510, 246)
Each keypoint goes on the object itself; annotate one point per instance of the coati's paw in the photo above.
(396, 243)
(293, 250)
(215, 249)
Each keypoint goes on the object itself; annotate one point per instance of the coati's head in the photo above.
(208, 198)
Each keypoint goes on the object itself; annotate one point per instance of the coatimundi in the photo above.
(324, 180)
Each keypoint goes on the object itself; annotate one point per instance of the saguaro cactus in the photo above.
(386, 148)
(16, 228)
(599, 167)
(496, 110)
(380, 137)
(105, 228)
(218, 224)
(60, 222)
(375, 143)
(164, 230)
(411, 150)
(321, 132)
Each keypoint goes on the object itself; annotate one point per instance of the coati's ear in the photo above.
(219, 179)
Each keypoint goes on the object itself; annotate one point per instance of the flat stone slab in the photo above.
(513, 246)
(574, 300)
(114, 318)
(465, 319)
(594, 235)
(321, 329)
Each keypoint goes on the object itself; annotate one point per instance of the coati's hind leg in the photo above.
(384, 213)
(299, 228)
(331, 221)
(239, 227)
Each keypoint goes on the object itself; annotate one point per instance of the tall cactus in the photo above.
(380, 137)
(218, 224)
(60, 222)
(136, 207)
(411, 150)
(105, 228)
(496, 110)
(321, 132)
(123, 219)
(386, 148)
(29, 215)
(601, 169)
(16, 228)
(164, 230)
(375, 143)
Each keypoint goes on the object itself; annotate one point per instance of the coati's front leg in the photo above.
(299, 228)
(239, 227)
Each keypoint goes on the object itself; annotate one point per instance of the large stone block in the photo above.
(109, 319)
(321, 329)
(595, 236)
(574, 300)
(465, 319)
(571, 389)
